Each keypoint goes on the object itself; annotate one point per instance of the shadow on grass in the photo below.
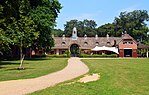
(8, 63)
(37, 59)
(2, 67)
(16, 69)
(11, 62)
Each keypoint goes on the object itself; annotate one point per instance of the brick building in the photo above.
(124, 46)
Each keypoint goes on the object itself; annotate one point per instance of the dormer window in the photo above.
(124, 42)
(97, 43)
(85, 43)
(129, 42)
(108, 43)
(63, 43)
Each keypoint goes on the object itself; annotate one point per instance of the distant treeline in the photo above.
(131, 22)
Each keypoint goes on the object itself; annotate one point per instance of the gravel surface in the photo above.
(75, 68)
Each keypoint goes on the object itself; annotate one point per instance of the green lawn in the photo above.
(118, 77)
(33, 68)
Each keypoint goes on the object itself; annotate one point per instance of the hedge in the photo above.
(98, 55)
(58, 56)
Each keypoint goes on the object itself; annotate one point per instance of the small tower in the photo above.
(85, 37)
(125, 32)
(74, 34)
(96, 37)
(107, 36)
(63, 37)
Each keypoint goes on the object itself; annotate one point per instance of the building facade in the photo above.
(124, 46)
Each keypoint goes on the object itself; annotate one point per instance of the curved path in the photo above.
(74, 69)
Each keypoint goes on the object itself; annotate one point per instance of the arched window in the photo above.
(97, 43)
(108, 43)
(128, 42)
(63, 43)
(85, 43)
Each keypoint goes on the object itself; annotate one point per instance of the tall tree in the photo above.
(22, 30)
(5, 6)
(134, 23)
(69, 26)
(57, 32)
(87, 27)
(103, 30)
(4, 41)
(18, 16)
(44, 16)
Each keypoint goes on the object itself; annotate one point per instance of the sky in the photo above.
(101, 11)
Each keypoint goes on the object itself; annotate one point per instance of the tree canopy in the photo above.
(30, 23)
(27, 23)
(44, 17)
(87, 27)
(134, 23)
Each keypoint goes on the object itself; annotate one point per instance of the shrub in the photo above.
(38, 56)
(58, 56)
(98, 55)
(67, 52)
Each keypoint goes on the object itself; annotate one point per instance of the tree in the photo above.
(9, 10)
(134, 23)
(4, 41)
(22, 31)
(32, 19)
(87, 27)
(58, 32)
(69, 26)
(44, 16)
(103, 30)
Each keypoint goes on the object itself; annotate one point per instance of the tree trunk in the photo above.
(30, 53)
(21, 57)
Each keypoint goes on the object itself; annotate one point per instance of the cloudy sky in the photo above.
(102, 11)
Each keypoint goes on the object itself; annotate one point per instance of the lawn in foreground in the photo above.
(33, 68)
(118, 77)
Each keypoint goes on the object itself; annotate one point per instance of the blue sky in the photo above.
(102, 11)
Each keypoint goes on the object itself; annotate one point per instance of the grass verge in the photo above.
(33, 68)
(118, 77)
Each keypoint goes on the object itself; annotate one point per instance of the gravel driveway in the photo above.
(75, 68)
